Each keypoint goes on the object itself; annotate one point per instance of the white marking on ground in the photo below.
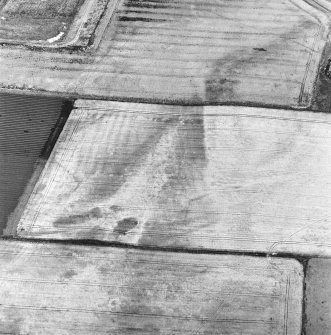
(56, 38)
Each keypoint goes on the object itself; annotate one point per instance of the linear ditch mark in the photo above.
(188, 102)
(304, 316)
(302, 259)
(194, 102)
(134, 11)
(132, 4)
(139, 19)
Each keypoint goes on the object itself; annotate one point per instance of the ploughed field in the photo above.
(26, 123)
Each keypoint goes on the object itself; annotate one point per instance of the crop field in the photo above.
(36, 20)
(189, 51)
(43, 8)
(197, 177)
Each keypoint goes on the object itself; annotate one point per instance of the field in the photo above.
(25, 125)
(36, 20)
(189, 192)
(221, 178)
(63, 289)
(192, 52)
